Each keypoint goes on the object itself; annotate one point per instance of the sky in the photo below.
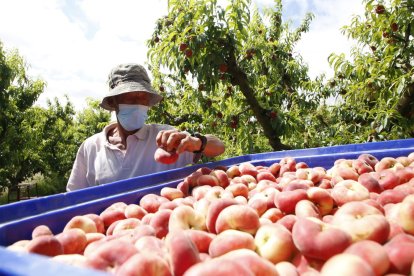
(73, 44)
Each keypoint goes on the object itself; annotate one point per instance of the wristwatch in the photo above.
(198, 153)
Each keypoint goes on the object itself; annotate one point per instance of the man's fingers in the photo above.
(184, 144)
(162, 137)
(174, 140)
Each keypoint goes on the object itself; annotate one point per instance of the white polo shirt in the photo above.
(99, 162)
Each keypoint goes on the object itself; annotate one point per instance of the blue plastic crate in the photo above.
(40, 205)
(17, 220)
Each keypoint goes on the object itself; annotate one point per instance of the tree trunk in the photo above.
(405, 105)
(240, 79)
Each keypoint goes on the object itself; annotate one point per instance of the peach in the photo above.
(362, 166)
(345, 171)
(404, 160)
(288, 221)
(373, 253)
(222, 177)
(192, 178)
(188, 200)
(183, 252)
(309, 174)
(171, 193)
(289, 162)
(111, 255)
(109, 216)
(286, 201)
(160, 222)
(208, 180)
(151, 202)
(322, 199)
(165, 157)
(388, 163)
(233, 171)
(347, 191)
(274, 169)
(273, 214)
(200, 192)
(171, 205)
(41, 230)
(387, 179)
(132, 235)
(404, 175)
(249, 259)
(184, 217)
(306, 208)
(214, 193)
(274, 243)
(265, 175)
(248, 168)
(238, 217)
(230, 240)
(135, 211)
(259, 204)
(152, 245)
(370, 182)
(248, 180)
(306, 265)
(406, 188)
(77, 260)
(369, 159)
(184, 187)
(298, 184)
(319, 240)
(145, 264)
(405, 217)
(19, 246)
(81, 222)
(301, 165)
(390, 196)
(213, 211)
(374, 203)
(73, 241)
(238, 189)
(400, 250)
(325, 184)
(201, 239)
(201, 206)
(286, 269)
(45, 245)
(241, 200)
(90, 247)
(125, 225)
(345, 265)
(362, 222)
(99, 223)
(110, 229)
(218, 267)
(264, 184)
(92, 237)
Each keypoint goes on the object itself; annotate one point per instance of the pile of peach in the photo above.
(355, 218)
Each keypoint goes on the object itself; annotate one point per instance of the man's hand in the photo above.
(177, 141)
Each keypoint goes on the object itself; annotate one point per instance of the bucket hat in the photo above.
(129, 77)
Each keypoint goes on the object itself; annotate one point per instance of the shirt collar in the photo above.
(141, 134)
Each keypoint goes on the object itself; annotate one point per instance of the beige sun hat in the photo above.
(129, 77)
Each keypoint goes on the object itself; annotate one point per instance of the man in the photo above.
(126, 148)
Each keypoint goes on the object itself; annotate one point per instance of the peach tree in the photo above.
(374, 89)
(231, 70)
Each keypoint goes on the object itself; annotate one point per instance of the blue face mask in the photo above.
(132, 116)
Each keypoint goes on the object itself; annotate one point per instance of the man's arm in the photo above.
(182, 141)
